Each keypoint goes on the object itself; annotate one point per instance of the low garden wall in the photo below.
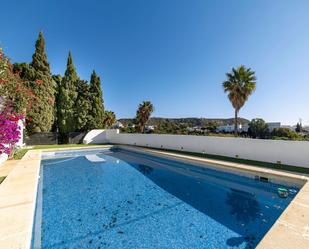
(76, 137)
(49, 138)
(274, 151)
(42, 138)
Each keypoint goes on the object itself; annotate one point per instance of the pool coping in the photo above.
(18, 200)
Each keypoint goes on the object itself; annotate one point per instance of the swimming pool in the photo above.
(116, 198)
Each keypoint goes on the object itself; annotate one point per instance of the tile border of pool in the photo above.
(18, 199)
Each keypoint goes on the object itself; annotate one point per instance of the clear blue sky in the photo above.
(173, 52)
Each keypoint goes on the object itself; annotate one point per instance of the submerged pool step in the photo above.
(94, 158)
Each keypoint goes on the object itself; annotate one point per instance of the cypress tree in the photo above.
(83, 105)
(96, 114)
(39, 79)
(57, 79)
(39, 58)
(67, 98)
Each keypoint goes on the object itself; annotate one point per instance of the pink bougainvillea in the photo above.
(9, 130)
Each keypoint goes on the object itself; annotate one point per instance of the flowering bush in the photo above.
(13, 90)
(9, 130)
(16, 96)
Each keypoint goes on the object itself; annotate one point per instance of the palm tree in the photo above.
(240, 84)
(143, 114)
(109, 119)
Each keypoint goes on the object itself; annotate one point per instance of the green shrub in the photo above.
(258, 128)
(18, 154)
(285, 134)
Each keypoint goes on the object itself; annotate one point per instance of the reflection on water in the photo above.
(145, 170)
(237, 241)
(244, 206)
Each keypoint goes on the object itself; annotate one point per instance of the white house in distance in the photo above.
(131, 126)
(273, 125)
(292, 128)
(244, 127)
(231, 127)
(118, 125)
(195, 128)
(149, 128)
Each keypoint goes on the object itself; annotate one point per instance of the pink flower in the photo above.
(9, 130)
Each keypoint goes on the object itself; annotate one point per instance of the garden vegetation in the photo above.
(29, 93)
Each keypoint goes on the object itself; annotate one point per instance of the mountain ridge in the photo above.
(190, 122)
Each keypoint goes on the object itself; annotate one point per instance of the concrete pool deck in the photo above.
(18, 199)
(6, 167)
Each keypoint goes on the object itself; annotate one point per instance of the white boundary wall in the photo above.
(99, 136)
(287, 152)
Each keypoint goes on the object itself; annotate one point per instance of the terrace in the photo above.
(160, 158)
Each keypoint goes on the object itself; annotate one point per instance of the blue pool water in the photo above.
(135, 200)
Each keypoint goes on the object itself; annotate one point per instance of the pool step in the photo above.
(94, 158)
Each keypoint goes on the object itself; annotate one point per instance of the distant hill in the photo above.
(190, 122)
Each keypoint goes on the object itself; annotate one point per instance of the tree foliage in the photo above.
(109, 119)
(258, 128)
(299, 127)
(67, 98)
(240, 84)
(285, 133)
(96, 113)
(165, 126)
(143, 113)
(57, 79)
(83, 105)
(211, 126)
(13, 90)
(52, 102)
(37, 75)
